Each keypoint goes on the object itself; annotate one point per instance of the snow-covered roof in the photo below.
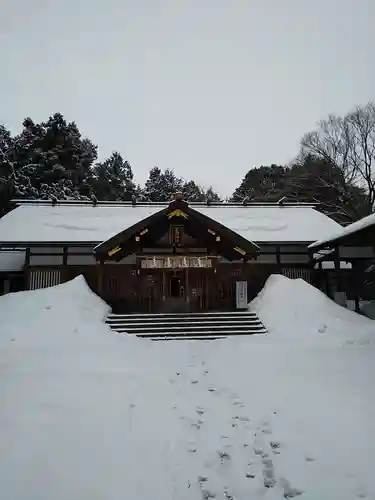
(44, 223)
(342, 232)
(11, 261)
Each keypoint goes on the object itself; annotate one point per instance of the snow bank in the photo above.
(293, 307)
(69, 308)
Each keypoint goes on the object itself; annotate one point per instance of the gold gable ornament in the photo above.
(177, 213)
(113, 251)
(240, 250)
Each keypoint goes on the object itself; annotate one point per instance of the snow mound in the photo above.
(293, 307)
(54, 313)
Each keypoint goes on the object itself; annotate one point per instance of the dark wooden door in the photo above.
(174, 291)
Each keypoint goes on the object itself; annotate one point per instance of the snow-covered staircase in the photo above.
(173, 326)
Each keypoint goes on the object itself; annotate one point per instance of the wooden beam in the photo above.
(337, 267)
(278, 257)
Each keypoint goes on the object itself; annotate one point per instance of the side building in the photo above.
(160, 257)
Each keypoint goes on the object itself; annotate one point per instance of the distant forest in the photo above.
(334, 168)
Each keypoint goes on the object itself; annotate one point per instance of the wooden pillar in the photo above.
(139, 283)
(187, 290)
(278, 258)
(207, 289)
(337, 268)
(64, 276)
(357, 281)
(27, 270)
(164, 286)
(100, 277)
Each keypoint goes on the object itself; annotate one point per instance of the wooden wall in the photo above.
(129, 288)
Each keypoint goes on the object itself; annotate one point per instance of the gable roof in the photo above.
(207, 230)
(87, 224)
(343, 233)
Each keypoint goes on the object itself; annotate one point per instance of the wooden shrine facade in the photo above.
(183, 262)
(177, 259)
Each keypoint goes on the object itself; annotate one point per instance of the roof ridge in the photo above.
(21, 202)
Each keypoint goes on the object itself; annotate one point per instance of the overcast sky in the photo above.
(209, 88)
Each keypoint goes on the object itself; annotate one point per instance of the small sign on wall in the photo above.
(241, 294)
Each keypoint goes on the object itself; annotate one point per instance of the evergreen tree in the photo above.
(193, 192)
(211, 195)
(265, 183)
(160, 186)
(312, 180)
(6, 170)
(52, 154)
(113, 179)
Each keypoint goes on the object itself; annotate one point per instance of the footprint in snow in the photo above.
(197, 424)
(243, 420)
(269, 480)
(250, 475)
(223, 456)
(275, 447)
(202, 479)
(289, 490)
(208, 495)
(228, 496)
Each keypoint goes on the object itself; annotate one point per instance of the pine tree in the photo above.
(265, 183)
(6, 170)
(113, 179)
(193, 192)
(211, 195)
(160, 186)
(52, 154)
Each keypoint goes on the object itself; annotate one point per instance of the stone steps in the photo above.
(188, 326)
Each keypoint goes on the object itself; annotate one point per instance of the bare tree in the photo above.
(348, 144)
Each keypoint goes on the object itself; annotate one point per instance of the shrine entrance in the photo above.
(175, 293)
(177, 252)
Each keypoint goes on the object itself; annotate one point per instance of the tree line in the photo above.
(51, 160)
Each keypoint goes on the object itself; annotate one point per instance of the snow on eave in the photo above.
(353, 228)
(46, 243)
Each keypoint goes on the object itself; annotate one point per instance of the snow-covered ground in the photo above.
(90, 415)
